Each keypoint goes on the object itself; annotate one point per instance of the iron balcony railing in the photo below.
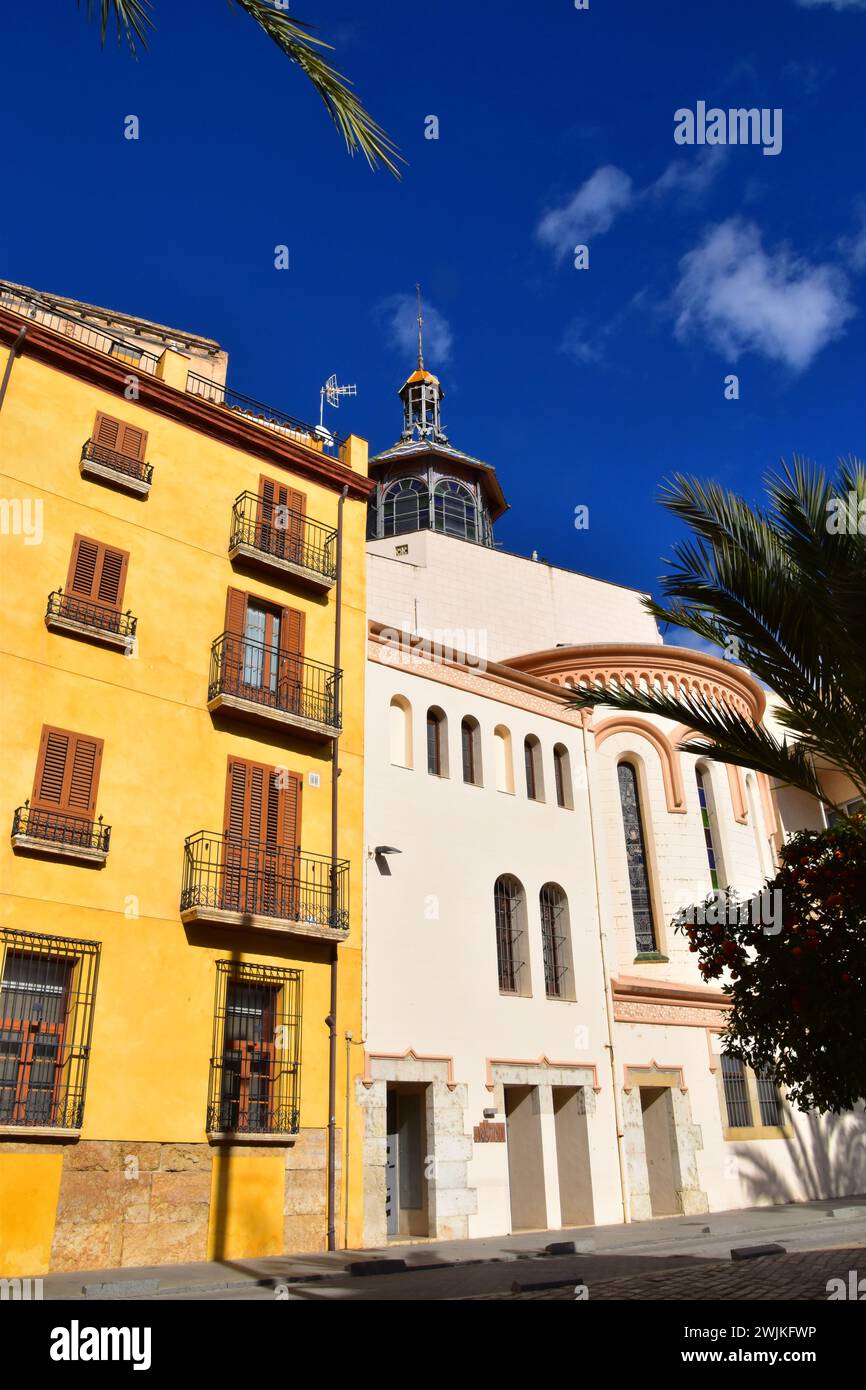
(98, 616)
(284, 534)
(230, 874)
(259, 413)
(118, 463)
(31, 307)
(282, 681)
(60, 828)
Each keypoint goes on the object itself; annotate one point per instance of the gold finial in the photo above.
(420, 324)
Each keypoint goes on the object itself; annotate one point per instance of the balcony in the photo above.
(100, 623)
(60, 835)
(283, 541)
(259, 682)
(107, 466)
(42, 311)
(268, 417)
(235, 882)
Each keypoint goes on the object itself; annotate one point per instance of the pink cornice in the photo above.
(410, 1055)
(541, 1061)
(672, 775)
(635, 987)
(632, 1072)
(687, 671)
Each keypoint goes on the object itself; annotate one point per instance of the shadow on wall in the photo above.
(828, 1159)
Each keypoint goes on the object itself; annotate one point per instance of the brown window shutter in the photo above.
(97, 571)
(67, 772)
(83, 567)
(106, 431)
(289, 832)
(292, 622)
(236, 611)
(132, 442)
(123, 438)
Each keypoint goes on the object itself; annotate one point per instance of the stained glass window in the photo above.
(635, 849)
(706, 821)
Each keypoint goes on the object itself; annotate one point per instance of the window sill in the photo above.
(101, 635)
(651, 958)
(104, 473)
(56, 849)
(38, 1132)
(753, 1132)
(231, 1137)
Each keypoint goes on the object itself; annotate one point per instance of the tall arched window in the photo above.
(710, 825)
(437, 742)
(556, 942)
(454, 510)
(636, 855)
(533, 768)
(562, 776)
(509, 903)
(504, 765)
(406, 507)
(470, 739)
(400, 731)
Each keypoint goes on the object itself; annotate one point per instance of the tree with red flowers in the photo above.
(797, 984)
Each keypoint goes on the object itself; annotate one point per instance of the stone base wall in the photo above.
(128, 1204)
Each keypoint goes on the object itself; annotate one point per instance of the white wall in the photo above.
(521, 605)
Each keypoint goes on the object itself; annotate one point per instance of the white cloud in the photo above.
(399, 314)
(853, 248)
(608, 192)
(577, 345)
(744, 299)
(690, 174)
(837, 4)
(589, 211)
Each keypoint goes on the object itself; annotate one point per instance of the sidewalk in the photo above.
(637, 1251)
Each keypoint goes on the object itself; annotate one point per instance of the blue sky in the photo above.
(556, 126)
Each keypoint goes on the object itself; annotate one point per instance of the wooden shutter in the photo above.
(263, 804)
(236, 611)
(97, 571)
(289, 539)
(67, 772)
(123, 438)
(292, 632)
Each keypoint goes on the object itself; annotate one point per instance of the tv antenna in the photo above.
(331, 393)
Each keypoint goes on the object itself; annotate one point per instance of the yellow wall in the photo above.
(164, 763)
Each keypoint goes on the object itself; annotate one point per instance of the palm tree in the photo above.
(294, 38)
(782, 589)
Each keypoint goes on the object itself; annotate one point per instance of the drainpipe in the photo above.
(608, 999)
(15, 351)
(331, 1020)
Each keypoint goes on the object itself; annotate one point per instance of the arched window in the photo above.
(509, 902)
(710, 825)
(454, 510)
(638, 868)
(470, 738)
(437, 742)
(556, 942)
(504, 765)
(406, 507)
(533, 768)
(400, 731)
(562, 777)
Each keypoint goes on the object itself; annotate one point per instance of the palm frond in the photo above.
(131, 17)
(296, 40)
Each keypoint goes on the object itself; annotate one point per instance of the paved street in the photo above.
(686, 1258)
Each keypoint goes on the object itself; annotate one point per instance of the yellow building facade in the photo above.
(181, 888)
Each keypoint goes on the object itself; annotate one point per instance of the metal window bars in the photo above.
(552, 902)
(47, 990)
(99, 617)
(284, 534)
(736, 1093)
(255, 1065)
(508, 907)
(279, 680)
(254, 878)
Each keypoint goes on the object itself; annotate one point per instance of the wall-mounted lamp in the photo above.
(386, 849)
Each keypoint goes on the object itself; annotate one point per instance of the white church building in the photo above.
(540, 1049)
